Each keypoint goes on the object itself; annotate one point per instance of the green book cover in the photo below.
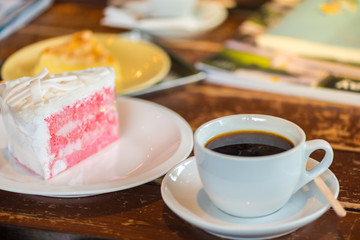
(318, 28)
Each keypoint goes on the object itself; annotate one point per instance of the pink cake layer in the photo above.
(96, 127)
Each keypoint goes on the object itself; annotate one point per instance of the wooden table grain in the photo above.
(139, 212)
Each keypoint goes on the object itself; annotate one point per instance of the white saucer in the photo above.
(153, 139)
(182, 191)
(135, 15)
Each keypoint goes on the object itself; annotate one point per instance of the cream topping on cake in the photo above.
(26, 94)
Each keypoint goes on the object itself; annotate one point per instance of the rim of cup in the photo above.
(295, 127)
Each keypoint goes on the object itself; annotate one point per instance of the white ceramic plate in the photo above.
(182, 191)
(153, 139)
(207, 16)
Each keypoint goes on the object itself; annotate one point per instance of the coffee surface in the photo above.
(249, 143)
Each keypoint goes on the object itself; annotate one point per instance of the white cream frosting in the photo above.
(27, 101)
(43, 93)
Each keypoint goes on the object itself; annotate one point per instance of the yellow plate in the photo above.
(142, 63)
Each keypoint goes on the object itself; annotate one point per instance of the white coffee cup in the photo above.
(256, 186)
(172, 8)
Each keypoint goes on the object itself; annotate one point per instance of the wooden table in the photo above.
(140, 213)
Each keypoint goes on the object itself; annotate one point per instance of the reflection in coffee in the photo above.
(249, 143)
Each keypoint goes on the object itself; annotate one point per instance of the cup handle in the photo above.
(324, 164)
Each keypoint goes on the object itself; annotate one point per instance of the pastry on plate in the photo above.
(80, 51)
(56, 121)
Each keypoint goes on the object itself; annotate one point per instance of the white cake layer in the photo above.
(44, 94)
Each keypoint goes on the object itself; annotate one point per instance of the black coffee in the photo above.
(249, 143)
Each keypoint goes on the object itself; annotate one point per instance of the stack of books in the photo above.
(306, 48)
(14, 14)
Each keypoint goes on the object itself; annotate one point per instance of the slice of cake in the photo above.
(80, 51)
(56, 121)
